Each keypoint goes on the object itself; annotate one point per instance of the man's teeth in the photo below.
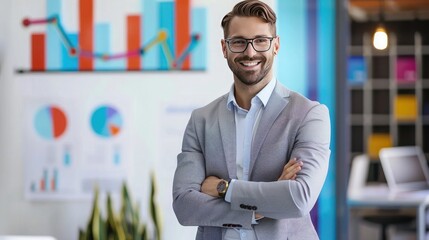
(249, 64)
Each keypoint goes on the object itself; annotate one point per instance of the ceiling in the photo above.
(365, 10)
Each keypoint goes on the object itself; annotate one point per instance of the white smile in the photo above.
(250, 64)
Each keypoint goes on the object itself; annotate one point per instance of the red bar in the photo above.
(42, 185)
(133, 41)
(183, 38)
(53, 184)
(38, 52)
(86, 35)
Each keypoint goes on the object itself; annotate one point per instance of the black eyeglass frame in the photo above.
(249, 40)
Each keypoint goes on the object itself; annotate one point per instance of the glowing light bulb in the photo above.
(380, 39)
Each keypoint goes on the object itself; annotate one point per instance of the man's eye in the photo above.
(260, 40)
(238, 42)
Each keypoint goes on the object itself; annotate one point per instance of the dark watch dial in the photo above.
(222, 186)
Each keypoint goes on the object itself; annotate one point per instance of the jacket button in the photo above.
(242, 206)
(254, 208)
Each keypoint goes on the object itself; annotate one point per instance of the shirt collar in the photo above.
(263, 95)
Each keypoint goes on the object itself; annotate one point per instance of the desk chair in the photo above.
(386, 219)
(357, 181)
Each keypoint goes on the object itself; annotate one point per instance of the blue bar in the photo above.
(166, 23)
(46, 179)
(292, 58)
(149, 32)
(326, 61)
(70, 62)
(53, 41)
(55, 180)
(102, 47)
(101, 44)
(199, 26)
(117, 158)
(67, 158)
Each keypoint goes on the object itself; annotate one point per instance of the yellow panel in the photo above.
(406, 107)
(376, 142)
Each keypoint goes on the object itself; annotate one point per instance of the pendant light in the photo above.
(380, 39)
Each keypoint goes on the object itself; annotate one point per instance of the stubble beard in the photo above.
(250, 78)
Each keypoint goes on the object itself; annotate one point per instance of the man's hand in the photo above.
(209, 186)
(291, 169)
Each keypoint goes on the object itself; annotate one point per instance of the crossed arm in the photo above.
(289, 173)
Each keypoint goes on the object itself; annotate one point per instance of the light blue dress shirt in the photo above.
(246, 122)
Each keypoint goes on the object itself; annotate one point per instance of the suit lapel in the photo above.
(228, 136)
(276, 104)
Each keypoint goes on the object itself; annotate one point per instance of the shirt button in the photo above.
(243, 234)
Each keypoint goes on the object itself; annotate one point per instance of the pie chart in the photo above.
(106, 121)
(50, 122)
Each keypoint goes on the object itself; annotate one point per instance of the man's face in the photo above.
(250, 67)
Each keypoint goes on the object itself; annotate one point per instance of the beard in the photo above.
(250, 77)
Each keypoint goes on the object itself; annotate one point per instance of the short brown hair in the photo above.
(250, 8)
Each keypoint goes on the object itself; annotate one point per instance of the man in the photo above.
(234, 178)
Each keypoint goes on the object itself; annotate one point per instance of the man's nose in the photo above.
(250, 51)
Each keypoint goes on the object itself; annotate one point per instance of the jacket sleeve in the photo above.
(191, 206)
(292, 198)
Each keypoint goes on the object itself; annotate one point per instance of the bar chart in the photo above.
(48, 181)
(165, 35)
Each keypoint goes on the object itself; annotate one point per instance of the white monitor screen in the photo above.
(407, 169)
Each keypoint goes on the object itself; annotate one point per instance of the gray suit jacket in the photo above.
(290, 126)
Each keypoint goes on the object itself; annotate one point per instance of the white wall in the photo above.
(63, 218)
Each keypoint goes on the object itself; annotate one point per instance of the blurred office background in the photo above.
(388, 89)
(82, 106)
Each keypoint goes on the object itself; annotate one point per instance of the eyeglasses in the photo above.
(239, 45)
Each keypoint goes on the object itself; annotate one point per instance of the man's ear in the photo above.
(224, 50)
(276, 45)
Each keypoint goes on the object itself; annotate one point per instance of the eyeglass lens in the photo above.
(240, 44)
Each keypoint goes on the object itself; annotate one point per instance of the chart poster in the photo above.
(70, 150)
(110, 35)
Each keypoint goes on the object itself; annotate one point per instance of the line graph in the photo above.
(176, 44)
(159, 39)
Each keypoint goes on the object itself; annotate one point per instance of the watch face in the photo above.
(221, 187)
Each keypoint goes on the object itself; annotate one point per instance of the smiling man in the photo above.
(253, 161)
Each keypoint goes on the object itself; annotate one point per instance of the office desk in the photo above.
(378, 197)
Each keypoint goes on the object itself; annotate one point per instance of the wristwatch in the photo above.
(222, 187)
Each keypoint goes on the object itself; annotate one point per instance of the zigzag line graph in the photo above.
(166, 35)
(159, 39)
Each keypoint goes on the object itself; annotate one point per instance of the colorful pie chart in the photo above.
(50, 122)
(106, 121)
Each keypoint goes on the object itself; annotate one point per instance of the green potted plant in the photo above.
(126, 224)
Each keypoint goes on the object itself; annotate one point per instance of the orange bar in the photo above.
(53, 184)
(38, 52)
(42, 185)
(86, 35)
(183, 12)
(133, 41)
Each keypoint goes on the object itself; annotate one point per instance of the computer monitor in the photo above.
(405, 168)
